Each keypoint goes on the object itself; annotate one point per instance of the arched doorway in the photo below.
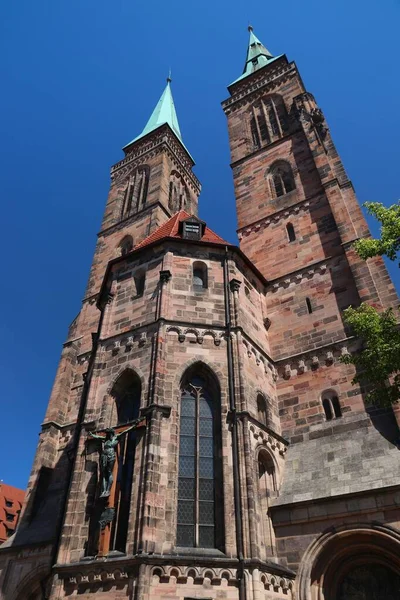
(351, 562)
(369, 581)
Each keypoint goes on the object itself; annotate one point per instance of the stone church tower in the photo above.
(202, 439)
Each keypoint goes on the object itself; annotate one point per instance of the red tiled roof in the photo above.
(14, 496)
(170, 229)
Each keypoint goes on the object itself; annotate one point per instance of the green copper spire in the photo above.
(163, 113)
(257, 56)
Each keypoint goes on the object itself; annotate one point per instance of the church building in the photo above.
(203, 440)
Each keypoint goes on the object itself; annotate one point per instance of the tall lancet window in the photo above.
(178, 197)
(126, 392)
(136, 192)
(268, 121)
(200, 490)
(266, 490)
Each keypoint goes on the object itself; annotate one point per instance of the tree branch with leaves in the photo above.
(378, 361)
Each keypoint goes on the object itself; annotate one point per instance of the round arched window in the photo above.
(369, 582)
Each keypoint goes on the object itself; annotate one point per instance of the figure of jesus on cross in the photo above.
(109, 456)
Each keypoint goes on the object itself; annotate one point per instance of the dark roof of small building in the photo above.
(171, 230)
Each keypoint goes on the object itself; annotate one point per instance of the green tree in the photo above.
(378, 361)
(389, 242)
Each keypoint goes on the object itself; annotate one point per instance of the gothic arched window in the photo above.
(200, 491)
(281, 177)
(268, 121)
(136, 191)
(178, 197)
(331, 405)
(126, 391)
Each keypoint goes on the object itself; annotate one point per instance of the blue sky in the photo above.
(79, 80)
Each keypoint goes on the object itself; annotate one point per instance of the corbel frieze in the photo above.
(313, 360)
(95, 577)
(199, 334)
(199, 575)
(302, 206)
(253, 353)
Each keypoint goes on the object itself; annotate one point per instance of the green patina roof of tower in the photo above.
(257, 57)
(164, 113)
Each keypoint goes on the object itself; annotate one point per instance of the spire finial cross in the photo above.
(169, 78)
(250, 28)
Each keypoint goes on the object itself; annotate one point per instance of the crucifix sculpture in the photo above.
(109, 458)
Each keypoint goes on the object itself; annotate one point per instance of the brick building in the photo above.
(254, 470)
(11, 500)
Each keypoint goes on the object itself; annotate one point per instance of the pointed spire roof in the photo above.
(257, 56)
(164, 113)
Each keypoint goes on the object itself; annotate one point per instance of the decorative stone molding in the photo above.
(234, 285)
(92, 299)
(295, 278)
(252, 352)
(199, 334)
(163, 141)
(83, 358)
(95, 577)
(313, 360)
(199, 575)
(267, 439)
(273, 219)
(329, 358)
(267, 81)
(274, 583)
(125, 342)
(116, 347)
(165, 276)
(301, 367)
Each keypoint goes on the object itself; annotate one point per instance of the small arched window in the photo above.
(200, 275)
(268, 121)
(331, 405)
(309, 306)
(290, 232)
(200, 491)
(262, 410)
(126, 245)
(282, 180)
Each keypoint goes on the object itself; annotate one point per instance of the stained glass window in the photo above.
(197, 468)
